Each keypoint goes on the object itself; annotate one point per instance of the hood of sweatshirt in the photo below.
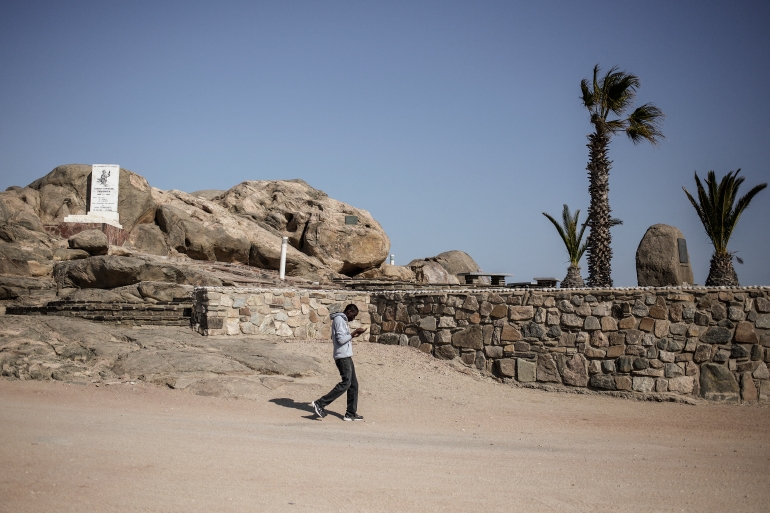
(344, 317)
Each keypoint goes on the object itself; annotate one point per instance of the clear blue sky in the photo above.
(454, 123)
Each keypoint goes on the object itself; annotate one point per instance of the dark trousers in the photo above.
(348, 384)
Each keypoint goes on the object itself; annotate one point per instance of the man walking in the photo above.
(343, 358)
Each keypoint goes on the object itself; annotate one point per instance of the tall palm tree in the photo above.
(612, 93)
(568, 231)
(719, 213)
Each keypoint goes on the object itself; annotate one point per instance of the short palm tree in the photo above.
(611, 93)
(719, 213)
(568, 231)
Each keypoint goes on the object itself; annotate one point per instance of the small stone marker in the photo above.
(662, 259)
(103, 201)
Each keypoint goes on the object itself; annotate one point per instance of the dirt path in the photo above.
(434, 439)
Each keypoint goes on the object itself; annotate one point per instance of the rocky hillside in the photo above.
(243, 225)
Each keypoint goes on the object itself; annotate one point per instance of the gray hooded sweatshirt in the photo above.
(341, 336)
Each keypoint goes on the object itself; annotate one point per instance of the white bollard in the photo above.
(282, 271)
(392, 259)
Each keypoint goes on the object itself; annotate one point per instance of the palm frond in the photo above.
(621, 91)
(569, 234)
(587, 95)
(717, 208)
(644, 124)
(616, 125)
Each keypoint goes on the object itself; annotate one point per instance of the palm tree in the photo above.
(572, 240)
(719, 213)
(612, 93)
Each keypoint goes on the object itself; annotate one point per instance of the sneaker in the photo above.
(318, 409)
(352, 416)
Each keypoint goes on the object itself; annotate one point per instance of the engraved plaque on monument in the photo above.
(103, 201)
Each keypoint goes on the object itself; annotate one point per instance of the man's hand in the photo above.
(359, 331)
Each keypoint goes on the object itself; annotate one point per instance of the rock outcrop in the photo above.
(108, 272)
(243, 225)
(29, 259)
(429, 271)
(205, 230)
(314, 223)
(94, 242)
(444, 268)
(59, 348)
(389, 272)
(662, 259)
(65, 190)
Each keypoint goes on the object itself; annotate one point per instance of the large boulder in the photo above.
(148, 238)
(206, 230)
(428, 271)
(107, 272)
(388, 272)
(314, 223)
(19, 219)
(25, 259)
(444, 268)
(164, 291)
(456, 262)
(14, 287)
(199, 241)
(92, 241)
(662, 259)
(65, 190)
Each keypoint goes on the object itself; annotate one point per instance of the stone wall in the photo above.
(291, 313)
(706, 342)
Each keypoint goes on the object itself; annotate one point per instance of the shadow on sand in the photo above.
(291, 403)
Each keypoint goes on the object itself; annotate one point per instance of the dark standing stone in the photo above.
(717, 383)
(659, 258)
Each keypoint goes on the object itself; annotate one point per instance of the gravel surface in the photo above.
(436, 437)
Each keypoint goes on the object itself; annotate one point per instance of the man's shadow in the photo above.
(291, 403)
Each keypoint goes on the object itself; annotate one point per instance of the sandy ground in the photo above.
(434, 439)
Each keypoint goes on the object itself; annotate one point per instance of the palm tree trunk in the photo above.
(599, 238)
(722, 272)
(573, 279)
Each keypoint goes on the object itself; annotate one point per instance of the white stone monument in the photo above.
(103, 206)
